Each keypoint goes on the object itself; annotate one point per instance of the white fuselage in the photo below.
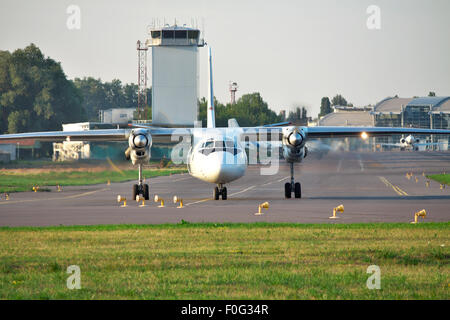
(409, 141)
(217, 160)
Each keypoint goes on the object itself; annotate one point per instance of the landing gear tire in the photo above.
(216, 193)
(287, 190)
(220, 191)
(224, 193)
(135, 191)
(146, 192)
(298, 190)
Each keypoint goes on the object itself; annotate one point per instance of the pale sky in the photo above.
(292, 52)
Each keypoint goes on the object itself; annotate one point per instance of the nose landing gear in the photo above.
(141, 189)
(292, 186)
(220, 190)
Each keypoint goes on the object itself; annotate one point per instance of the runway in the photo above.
(372, 187)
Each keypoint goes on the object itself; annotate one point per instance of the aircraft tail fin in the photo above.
(211, 119)
(232, 123)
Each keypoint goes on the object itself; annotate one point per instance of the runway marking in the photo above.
(283, 179)
(199, 201)
(265, 184)
(395, 188)
(338, 169)
(361, 164)
(249, 188)
(49, 199)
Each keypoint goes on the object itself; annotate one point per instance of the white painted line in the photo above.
(283, 178)
(249, 188)
(338, 169)
(361, 164)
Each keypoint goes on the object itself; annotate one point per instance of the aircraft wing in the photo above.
(391, 144)
(337, 132)
(430, 144)
(85, 135)
(173, 135)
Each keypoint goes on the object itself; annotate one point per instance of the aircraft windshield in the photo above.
(211, 146)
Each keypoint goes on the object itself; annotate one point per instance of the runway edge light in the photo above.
(339, 208)
(176, 200)
(122, 199)
(264, 205)
(422, 213)
(141, 198)
(158, 199)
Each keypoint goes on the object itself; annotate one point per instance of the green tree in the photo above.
(432, 94)
(94, 96)
(35, 94)
(325, 107)
(299, 116)
(338, 100)
(249, 110)
(98, 95)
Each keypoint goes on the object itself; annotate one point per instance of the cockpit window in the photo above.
(211, 146)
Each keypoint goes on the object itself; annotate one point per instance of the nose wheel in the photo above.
(292, 186)
(141, 188)
(220, 191)
(297, 190)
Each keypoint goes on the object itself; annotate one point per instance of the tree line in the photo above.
(35, 95)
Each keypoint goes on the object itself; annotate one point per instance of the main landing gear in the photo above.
(292, 186)
(141, 189)
(220, 190)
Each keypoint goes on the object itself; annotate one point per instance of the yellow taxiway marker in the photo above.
(397, 189)
(264, 205)
(339, 208)
(422, 213)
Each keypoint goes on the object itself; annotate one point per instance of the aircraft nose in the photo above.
(220, 171)
(140, 141)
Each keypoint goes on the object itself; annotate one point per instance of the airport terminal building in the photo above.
(418, 112)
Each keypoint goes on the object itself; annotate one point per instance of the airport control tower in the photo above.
(174, 53)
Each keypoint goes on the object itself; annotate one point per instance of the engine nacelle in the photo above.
(294, 140)
(139, 144)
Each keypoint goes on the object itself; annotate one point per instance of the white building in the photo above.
(117, 115)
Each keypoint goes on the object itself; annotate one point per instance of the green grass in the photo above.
(15, 182)
(226, 261)
(441, 178)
